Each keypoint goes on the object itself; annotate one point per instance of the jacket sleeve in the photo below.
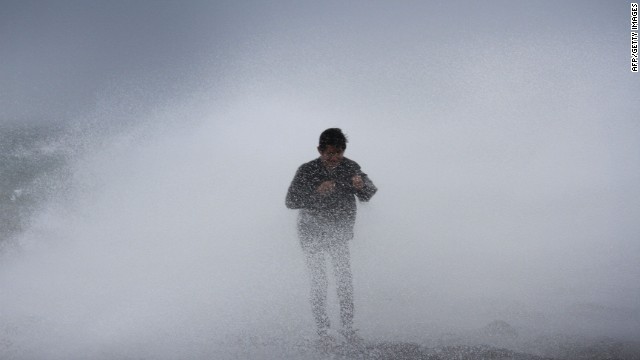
(369, 189)
(301, 193)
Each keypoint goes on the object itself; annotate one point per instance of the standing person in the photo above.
(325, 191)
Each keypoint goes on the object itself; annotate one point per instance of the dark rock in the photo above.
(500, 329)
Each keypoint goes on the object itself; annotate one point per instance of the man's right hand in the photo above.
(326, 187)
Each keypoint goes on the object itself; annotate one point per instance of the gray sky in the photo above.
(59, 56)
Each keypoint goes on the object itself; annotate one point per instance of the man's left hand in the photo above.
(357, 182)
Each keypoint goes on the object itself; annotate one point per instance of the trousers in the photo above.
(338, 252)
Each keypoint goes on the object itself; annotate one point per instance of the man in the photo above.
(325, 191)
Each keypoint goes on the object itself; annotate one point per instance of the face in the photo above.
(331, 156)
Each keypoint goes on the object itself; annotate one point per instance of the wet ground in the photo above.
(555, 347)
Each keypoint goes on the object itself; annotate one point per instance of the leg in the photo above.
(342, 270)
(317, 271)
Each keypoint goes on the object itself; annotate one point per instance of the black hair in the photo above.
(333, 137)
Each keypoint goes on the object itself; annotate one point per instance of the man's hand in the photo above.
(326, 187)
(357, 182)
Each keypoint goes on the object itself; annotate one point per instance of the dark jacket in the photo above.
(327, 215)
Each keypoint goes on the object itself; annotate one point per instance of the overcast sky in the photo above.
(59, 56)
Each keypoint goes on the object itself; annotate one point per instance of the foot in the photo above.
(352, 337)
(325, 340)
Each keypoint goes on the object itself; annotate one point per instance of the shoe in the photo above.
(352, 337)
(325, 340)
(325, 336)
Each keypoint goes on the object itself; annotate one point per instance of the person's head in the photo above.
(331, 147)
